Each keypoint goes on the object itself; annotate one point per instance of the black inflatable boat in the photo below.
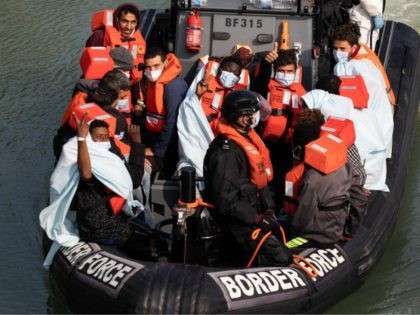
(100, 279)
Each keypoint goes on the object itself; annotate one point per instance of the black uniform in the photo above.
(237, 204)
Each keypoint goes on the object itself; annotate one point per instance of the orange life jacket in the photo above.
(255, 150)
(124, 147)
(136, 45)
(341, 128)
(95, 62)
(79, 98)
(326, 154)
(211, 101)
(101, 19)
(115, 201)
(354, 87)
(292, 181)
(155, 106)
(280, 97)
(366, 52)
(94, 112)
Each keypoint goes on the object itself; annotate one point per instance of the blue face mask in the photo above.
(123, 104)
(228, 79)
(340, 56)
(285, 79)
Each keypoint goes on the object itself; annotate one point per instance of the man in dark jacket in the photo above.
(237, 168)
(324, 198)
(164, 90)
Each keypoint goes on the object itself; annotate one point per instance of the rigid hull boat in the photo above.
(100, 279)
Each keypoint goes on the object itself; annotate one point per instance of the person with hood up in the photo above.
(93, 178)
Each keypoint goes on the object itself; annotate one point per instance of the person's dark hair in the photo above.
(115, 79)
(103, 96)
(231, 59)
(97, 123)
(310, 116)
(286, 57)
(124, 9)
(305, 133)
(330, 83)
(153, 52)
(347, 32)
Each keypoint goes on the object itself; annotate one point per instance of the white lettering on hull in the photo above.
(324, 260)
(105, 269)
(72, 254)
(242, 288)
(264, 282)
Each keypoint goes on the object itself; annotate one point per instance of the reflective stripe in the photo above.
(157, 116)
(296, 242)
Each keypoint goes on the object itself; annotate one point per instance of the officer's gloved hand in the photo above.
(378, 22)
(266, 221)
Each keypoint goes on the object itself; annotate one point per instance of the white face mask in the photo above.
(153, 75)
(285, 79)
(122, 104)
(256, 119)
(105, 145)
(228, 79)
(340, 56)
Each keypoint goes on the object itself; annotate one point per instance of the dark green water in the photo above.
(40, 44)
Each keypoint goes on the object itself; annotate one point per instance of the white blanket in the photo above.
(330, 105)
(194, 132)
(378, 99)
(107, 167)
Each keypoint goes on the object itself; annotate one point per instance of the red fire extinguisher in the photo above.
(193, 32)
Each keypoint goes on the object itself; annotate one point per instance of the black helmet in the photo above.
(239, 103)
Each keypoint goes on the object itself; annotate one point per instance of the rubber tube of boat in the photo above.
(187, 184)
